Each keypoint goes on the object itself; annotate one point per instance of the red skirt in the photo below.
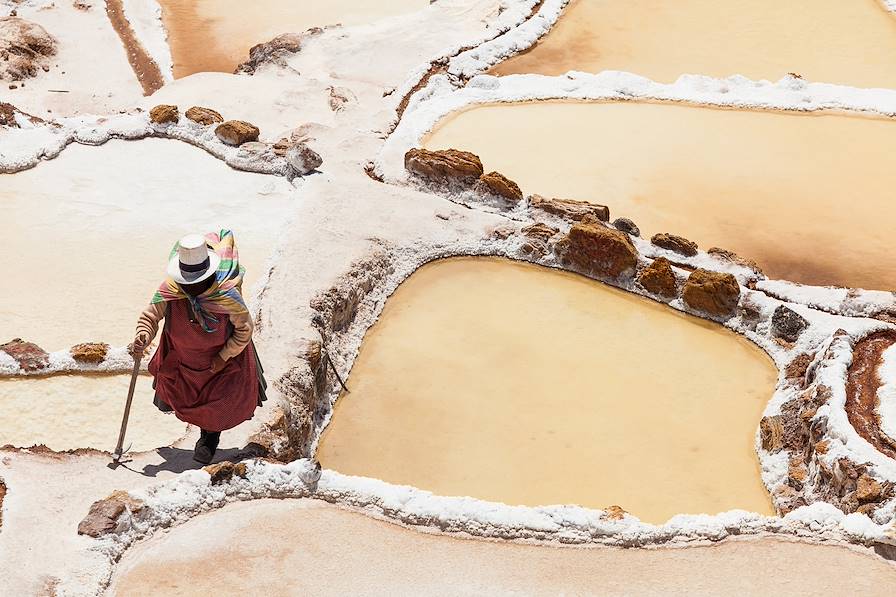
(183, 379)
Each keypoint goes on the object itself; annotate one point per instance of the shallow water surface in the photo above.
(509, 382)
(65, 412)
(215, 35)
(832, 41)
(89, 232)
(808, 196)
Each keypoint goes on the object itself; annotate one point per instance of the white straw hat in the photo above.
(194, 261)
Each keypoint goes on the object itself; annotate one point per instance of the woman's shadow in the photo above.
(179, 460)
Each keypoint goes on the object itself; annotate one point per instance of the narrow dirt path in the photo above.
(862, 384)
(304, 547)
(146, 69)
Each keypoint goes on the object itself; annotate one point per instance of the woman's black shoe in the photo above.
(206, 446)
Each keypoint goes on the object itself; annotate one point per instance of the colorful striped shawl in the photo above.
(224, 295)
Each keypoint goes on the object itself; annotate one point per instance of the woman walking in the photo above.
(206, 369)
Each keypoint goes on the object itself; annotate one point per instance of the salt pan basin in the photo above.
(88, 234)
(518, 384)
(831, 41)
(215, 35)
(808, 196)
(65, 412)
(299, 547)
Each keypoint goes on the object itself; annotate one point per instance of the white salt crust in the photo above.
(25, 147)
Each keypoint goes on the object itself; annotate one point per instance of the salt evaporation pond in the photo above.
(301, 547)
(65, 412)
(808, 196)
(91, 231)
(850, 43)
(215, 35)
(514, 383)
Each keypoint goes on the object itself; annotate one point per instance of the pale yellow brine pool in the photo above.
(513, 383)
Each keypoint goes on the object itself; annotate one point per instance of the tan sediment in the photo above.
(304, 547)
(215, 35)
(518, 384)
(804, 195)
(850, 43)
(145, 68)
(82, 411)
(862, 384)
(2, 497)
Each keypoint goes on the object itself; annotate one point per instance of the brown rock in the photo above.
(444, 165)
(281, 147)
(713, 293)
(678, 244)
(495, 183)
(822, 447)
(204, 116)
(274, 50)
(732, 257)
(570, 209)
(614, 513)
(787, 324)
(771, 433)
(594, 248)
(164, 113)
(303, 159)
(539, 231)
(797, 472)
(867, 489)
(236, 132)
(8, 115)
(867, 509)
(101, 519)
(797, 368)
(503, 231)
(658, 278)
(90, 352)
(311, 350)
(28, 355)
(626, 225)
(25, 49)
(104, 514)
(340, 97)
(225, 471)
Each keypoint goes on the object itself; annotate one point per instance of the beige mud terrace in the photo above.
(552, 297)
